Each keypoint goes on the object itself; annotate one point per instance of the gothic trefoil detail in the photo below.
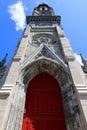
(44, 83)
(43, 51)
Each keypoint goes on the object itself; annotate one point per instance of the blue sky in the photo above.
(14, 12)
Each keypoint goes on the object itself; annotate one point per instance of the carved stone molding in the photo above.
(44, 38)
(73, 114)
(16, 108)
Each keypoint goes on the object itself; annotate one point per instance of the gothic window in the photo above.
(46, 8)
(40, 9)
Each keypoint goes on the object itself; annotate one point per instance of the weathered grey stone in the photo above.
(43, 48)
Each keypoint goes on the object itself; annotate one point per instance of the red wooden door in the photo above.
(44, 107)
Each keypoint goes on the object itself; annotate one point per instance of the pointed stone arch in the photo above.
(44, 107)
(56, 69)
(71, 104)
(69, 94)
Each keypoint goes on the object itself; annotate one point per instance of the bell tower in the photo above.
(41, 82)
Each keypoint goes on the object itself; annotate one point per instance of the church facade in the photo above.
(44, 86)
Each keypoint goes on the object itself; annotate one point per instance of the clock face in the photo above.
(43, 39)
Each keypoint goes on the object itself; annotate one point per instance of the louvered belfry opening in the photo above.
(44, 106)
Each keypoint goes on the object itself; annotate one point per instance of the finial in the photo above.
(43, 3)
(84, 64)
(83, 60)
(3, 61)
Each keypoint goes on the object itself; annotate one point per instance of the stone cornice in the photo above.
(43, 19)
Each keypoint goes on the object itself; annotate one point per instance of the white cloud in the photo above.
(17, 14)
(78, 57)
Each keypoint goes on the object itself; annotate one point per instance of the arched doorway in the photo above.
(44, 107)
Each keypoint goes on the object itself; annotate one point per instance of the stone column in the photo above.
(16, 108)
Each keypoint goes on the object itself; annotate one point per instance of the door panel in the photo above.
(44, 107)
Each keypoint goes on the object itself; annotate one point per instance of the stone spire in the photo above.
(3, 61)
(84, 64)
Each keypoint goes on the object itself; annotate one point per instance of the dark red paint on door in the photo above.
(44, 107)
